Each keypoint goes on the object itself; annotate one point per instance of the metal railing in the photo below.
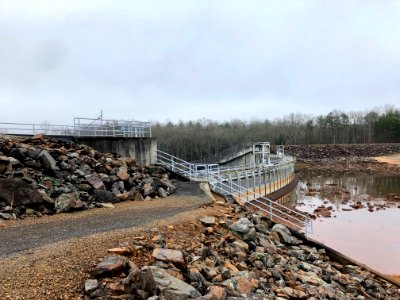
(190, 170)
(110, 128)
(226, 185)
(274, 209)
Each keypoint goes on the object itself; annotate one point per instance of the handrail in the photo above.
(257, 196)
(124, 129)
(226, 185)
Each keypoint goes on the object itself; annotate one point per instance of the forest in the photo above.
(196, 140)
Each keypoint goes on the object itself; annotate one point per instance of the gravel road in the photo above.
(27, 235)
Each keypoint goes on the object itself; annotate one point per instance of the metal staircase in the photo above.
(221, 181)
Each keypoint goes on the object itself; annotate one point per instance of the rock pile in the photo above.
(313, 152)
(219, 258)
(42, 175)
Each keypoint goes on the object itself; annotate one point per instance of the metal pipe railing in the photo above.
(114, 129)
(226, 185)
(256, 198)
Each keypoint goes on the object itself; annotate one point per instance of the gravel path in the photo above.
(30, 234)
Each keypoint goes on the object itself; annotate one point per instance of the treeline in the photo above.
(196, 140)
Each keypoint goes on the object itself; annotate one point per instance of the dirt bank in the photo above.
(390, 159)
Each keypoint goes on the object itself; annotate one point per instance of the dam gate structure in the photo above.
(247, 184)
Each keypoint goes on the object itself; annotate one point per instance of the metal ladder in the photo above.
(225, 185)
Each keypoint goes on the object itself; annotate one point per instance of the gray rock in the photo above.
(32, 152)
(148, 189)
(15, 163)
(68, 202)
(166, 184)
(6, 216)
(105, 196)
(250, 235)
(244, 228)
(208, 221)
(196, 278)
(117, 187)
(158, 282)
(162, 193)
(133, 275)
(49, 164)
(91, 285)
(18, 153)
(243, 225)
(299, 254)
(169, 255)
(283, 233)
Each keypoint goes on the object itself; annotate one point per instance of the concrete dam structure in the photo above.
(143, 150)
(251, 183)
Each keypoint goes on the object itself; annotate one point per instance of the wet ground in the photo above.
(356, 215)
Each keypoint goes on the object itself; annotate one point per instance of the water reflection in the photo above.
(369, 233)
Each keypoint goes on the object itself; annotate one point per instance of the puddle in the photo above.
(364, 220)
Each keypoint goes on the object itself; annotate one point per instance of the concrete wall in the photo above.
(237, 159)
(143, 150)
(268, 180)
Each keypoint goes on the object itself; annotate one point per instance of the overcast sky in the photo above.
(181, 60)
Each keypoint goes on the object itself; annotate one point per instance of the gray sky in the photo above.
(181, 60)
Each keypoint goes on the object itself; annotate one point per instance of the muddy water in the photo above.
(370, 235)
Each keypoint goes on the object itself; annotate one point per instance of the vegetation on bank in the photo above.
(195, 140)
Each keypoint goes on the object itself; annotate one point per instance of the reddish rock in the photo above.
(243, 286)
(228, 265)
(217, 293)
(95, 181)
(123, 174)
(111, 266)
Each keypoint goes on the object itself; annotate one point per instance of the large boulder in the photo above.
(167, 185)
(105, 196)
(68, 202)
(284, 234)
(16, 192)
(244, 229)
(49, 164)
(158, 282)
